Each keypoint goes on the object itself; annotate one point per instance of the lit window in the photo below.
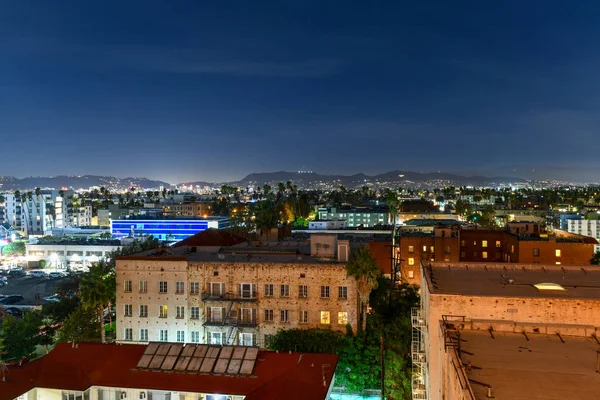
(424, 248)
(411, 274)
(411, 261)
(484, 254)
(411, 249)
(484, 243)
(498, 244)
(342, 318)
(557, 253)
(325, 317)
(432, 249)
(512, 248)
(162, 311)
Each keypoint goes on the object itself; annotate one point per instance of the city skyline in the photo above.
(213, 93)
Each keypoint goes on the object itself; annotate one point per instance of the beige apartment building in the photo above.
(240, 294)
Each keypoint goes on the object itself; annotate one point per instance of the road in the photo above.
(28, 288)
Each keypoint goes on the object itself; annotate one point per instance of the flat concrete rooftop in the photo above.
(542, 367)
(513, 280)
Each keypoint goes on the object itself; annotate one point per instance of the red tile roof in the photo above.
(211, 237)
(275, 376)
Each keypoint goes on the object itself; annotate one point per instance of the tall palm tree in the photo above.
(97, 288)
(364, 269)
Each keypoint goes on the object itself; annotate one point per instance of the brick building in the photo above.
(188, 210)
(239, 294)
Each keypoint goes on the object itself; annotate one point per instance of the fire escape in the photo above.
(419, 356)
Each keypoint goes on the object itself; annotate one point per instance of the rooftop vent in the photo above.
(548, 286)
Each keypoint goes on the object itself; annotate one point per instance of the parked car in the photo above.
(14, 311)
(3, 282)
(56, 275)
(38, 273)
(54, 298)
(16, 272)
(11, 299)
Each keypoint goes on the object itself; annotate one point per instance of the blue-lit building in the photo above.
(174, 229)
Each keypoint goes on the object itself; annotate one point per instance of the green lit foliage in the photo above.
(80, 326)
(14, 248)
(20, 336)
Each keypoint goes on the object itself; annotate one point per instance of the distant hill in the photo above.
(78, 182)
(350, 181)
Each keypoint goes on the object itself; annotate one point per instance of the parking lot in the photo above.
(32, 289)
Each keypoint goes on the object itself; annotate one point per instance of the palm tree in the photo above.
(364, 269)
(98, 288)
(266, 216)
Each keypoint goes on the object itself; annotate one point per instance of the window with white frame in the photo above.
(179, 287)
(143, 335)
(325, 317)
(217, 289)
(195, 336)
(162, 287)
(342, 292)
(269, 292)
(324, 292)
(284, 290)
(143, 286)
(268, 315)
(303, 317)
(128, 334)
(143, 311)
(128, 310)
(285, 315)
(194, 312)
(181, 336)
(194, 288)
(246, 339)
(163, 335)
(180, 312)
(163, 311)
(216, 338)
(247, 290)
(127, 286)
(303, 291)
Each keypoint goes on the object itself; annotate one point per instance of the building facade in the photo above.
(188, 210)
(69, 254)
(355, 216)
(235, 295)
(174, 229)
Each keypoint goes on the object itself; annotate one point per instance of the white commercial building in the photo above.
(69, 254)
(585, 227)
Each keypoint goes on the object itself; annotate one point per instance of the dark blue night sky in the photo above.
(186, 90)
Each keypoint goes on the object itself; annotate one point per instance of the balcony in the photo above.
(241, 323)
(245, 295)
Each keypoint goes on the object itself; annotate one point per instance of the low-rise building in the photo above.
(69, 254)
(356, 216)
(94, 371)
(235, 294)
(163, 228)
(506, 331)
(188, 210)
(330, 224)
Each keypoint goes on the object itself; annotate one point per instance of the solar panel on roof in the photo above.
(234, 367)
(151, 348)
(188, 351)
(239, 352)
(175, 349)
(169, 362)
(213, 352)
(144, 361)
(207, 365)
(221, 366)
(226, 352)
(163, 350)
(182, 363)
(195, 364)
(251, 353)
(156, 362)
(201, 351)
(247, 367)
